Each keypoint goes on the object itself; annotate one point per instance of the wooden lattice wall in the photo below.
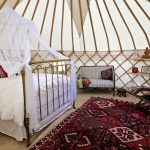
(122, 61)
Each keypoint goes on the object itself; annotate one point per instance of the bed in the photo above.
(51, 97)
(46, 86)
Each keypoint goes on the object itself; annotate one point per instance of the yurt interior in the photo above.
(74, 74)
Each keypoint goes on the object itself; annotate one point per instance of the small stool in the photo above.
(121, 92)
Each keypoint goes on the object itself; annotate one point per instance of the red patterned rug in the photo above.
(101, 123)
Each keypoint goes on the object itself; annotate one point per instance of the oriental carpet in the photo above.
(101, 124)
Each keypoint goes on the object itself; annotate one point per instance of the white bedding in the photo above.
(10, 128)
(11, 96)
(11, 99)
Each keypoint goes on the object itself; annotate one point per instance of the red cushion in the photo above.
(3, 73)
(86, 81)
(107, 74)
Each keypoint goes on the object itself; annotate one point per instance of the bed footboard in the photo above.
(55, 75)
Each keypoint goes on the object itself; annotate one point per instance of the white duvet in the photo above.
(11, 95)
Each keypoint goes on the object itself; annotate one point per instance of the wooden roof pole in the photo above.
(47, 4)
(53, 19)
(62, 25)
(113, 25)
(72, 25)
(37, 3)
(103, 24)
(80, 9)
(17, 2)
(3, 3)
(137, 22)
(92, 25)
(142, 9)
(26, 8)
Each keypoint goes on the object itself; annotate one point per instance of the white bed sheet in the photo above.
(51, 91)
(12, 104)
(61, 102)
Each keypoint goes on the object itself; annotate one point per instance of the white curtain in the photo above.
(14, 44)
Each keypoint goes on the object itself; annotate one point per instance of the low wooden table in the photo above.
(121, 92)
(145, 99)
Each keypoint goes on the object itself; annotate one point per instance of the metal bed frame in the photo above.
(54, 66)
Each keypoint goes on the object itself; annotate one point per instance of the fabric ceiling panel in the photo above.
(40, 14)
(67, 42)
(48, 22)
(123, 33)
(145, 4)
(10, 3)
(138, 35)
(100, 35)
(21, 7)
(145, 22)
(108, 26)
(30, 9)
(56, 36)
(110, 30)
(76, 12)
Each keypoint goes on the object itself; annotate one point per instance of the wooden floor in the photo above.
(8, 143)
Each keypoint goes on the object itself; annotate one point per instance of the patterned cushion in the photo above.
(86, 81)
(3, 74)
(106, 74)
